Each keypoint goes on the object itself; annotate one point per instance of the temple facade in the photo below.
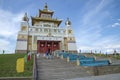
(45, 33)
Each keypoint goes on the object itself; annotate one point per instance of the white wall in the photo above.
(21, 45)
(72, 47)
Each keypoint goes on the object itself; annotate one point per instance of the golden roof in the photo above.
(34, 19)
(44, 11)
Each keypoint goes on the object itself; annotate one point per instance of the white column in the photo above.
(32, 41)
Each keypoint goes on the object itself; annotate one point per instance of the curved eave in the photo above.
(45, 19)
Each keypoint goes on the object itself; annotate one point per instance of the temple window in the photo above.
(45, 30)
(48, 15)
(41, 30)
(23, 28)
(46, 25)
(30, 29)
(70, 38)
(36, 30)
(70, 31)
(55, 30)
(22, 36)
(58, 31)
(62, 31)
(40, 25)
(45, 15)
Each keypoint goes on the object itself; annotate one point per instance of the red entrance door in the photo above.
(42, 46)
(55, 46)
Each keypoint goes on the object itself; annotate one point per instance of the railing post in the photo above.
(61, 56)
(78, 61)
(68, 58)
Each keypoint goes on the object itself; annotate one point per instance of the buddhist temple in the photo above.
(45, 32)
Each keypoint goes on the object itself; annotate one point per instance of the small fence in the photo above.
(82, 60)
(95, 67)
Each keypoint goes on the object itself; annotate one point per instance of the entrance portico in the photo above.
(44, 45)
(48, 42)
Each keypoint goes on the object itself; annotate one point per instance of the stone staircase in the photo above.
(59, 69)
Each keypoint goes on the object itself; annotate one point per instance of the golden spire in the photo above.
(68, 22)
(45, 7)
(25, 18)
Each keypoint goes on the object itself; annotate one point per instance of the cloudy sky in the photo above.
(96, 23)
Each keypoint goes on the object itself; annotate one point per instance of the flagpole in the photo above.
(27, 34)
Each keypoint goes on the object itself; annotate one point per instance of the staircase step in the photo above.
(58, 69)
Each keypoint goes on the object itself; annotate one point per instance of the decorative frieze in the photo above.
(49, 38)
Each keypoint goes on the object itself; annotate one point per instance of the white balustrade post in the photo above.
(68, 59)
(78, 62)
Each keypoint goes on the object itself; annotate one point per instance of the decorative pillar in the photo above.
(52, 46)
(38, 46)
(32, 42)
(45, 46)
(58, 45)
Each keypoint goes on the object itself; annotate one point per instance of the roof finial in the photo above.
(25, 18)
(68, 22)
(45, 7)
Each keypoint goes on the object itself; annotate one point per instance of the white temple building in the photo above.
(45, 32)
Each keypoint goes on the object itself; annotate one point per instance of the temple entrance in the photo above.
(42, 46)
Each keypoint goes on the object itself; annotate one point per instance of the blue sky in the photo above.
(96, 23)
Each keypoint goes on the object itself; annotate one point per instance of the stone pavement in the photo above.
(101, 77)
(58, 69)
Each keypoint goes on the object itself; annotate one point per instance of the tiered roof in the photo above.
(47, 19)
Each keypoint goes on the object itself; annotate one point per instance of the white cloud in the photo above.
(116, 25)
(3, 44)
(9, 24)
(92, 34)
(118, 19)
(95, 11)
(105, 44)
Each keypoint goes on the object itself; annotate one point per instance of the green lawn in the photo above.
(108, 55)
(8, 66)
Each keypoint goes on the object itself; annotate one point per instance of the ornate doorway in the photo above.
(42, 46)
